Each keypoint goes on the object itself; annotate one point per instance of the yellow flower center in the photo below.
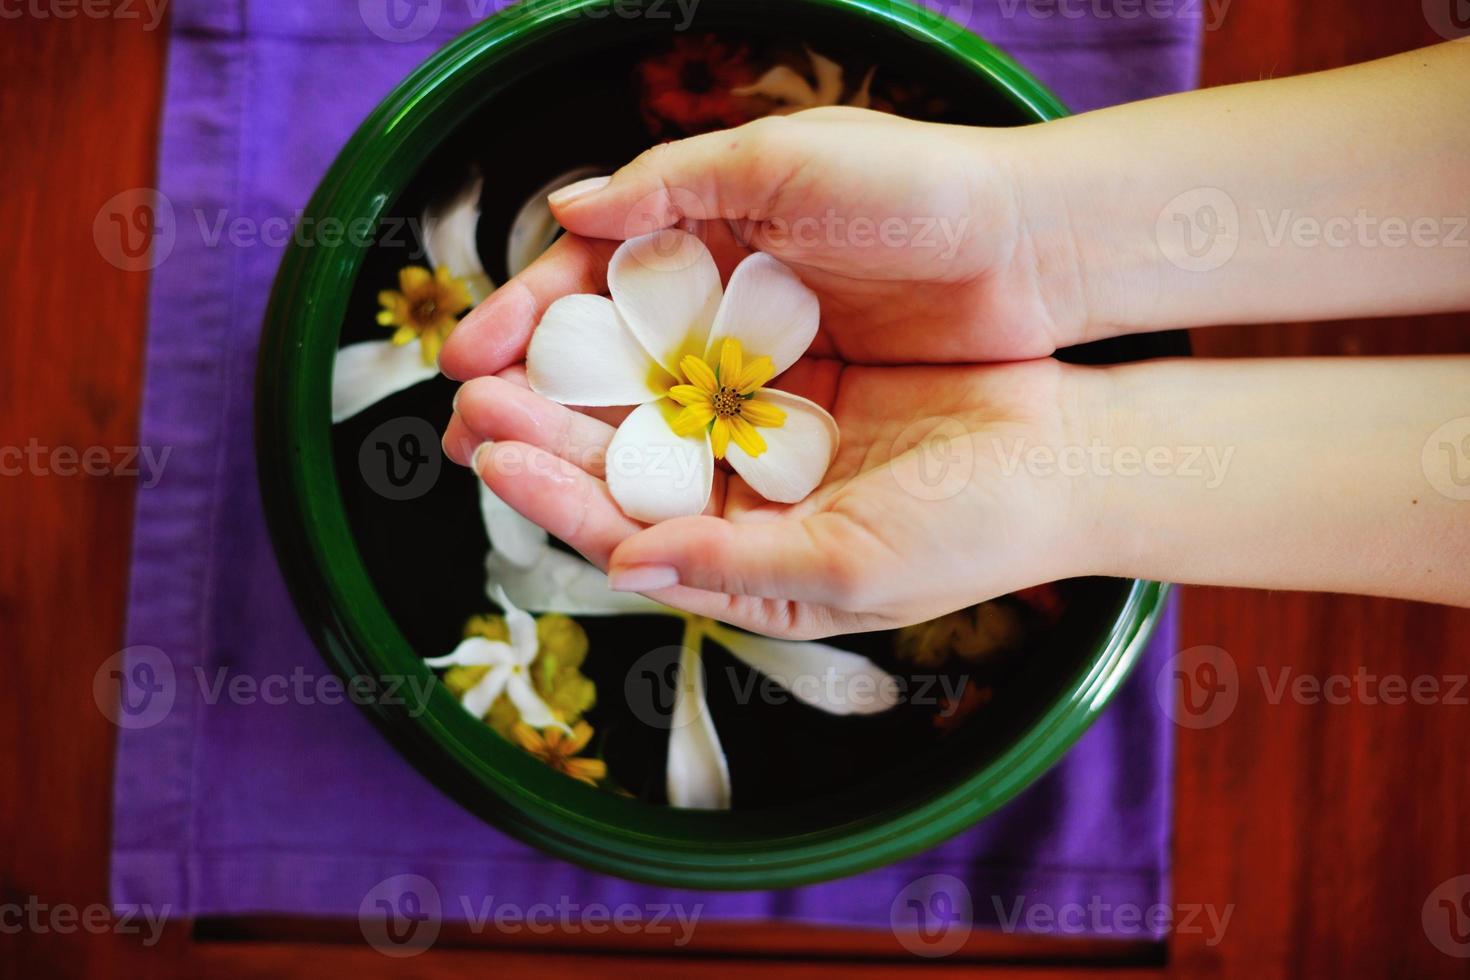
(425, 306)
(721, 399)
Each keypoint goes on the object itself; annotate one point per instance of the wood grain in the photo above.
(1323, 827)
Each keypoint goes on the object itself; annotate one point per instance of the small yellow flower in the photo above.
(425, 306)
(723, 397)
(558, 750)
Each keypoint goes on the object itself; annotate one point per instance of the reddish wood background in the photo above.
(1326, 827)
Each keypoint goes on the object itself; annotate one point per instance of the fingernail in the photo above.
(478, 457)
(581, 188)
(642, 578)
(454, 405)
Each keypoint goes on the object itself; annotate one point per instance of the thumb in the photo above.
(731, 174)
(821, 559)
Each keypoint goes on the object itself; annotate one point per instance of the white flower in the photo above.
(672, 343)
(509, 672)
(366, 373)
(785, 86)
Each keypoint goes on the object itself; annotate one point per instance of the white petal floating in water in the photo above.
(837, 681)
(479, 699)
(768, 309)
(655, 474)
(697, 776)
(519, 540)
(797, 454)
(533, 710)
(562, 583)
(534, 229)
(582, 353)
(449, 228)
(366, 373)
(520, 625)
(666, 288)
(475, 651)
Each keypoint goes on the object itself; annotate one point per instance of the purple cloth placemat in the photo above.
(224, 807)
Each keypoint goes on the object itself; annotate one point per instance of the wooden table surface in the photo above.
(1323, 827)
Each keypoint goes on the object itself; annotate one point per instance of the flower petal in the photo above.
(449, 238)
(697, 776)
(563, 583)
(521, 541)
(474, 651)
(691, 395)
(534, 711)
(479, 699)
(782, 84)
(758, 411)
(769, 310)
(654, 474)
(366, 373)
(534, 229)
(836, 681)
(582, 353)
(667, 289)
(797, 454)
(520, 625)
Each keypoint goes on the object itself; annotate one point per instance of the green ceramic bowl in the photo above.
(339, 593)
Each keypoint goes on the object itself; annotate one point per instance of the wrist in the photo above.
(1088, 250)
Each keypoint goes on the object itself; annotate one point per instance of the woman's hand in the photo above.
(913, 236)
(921, 512)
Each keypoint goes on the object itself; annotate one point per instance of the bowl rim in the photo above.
(351, 625)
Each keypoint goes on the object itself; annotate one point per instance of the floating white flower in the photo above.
(794, 93)
(695, 362)
(428, 302)
(509, 672)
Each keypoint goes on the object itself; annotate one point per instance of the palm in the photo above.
(921, 472)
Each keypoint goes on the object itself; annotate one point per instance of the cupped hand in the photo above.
(923, 510)
(919, 239)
